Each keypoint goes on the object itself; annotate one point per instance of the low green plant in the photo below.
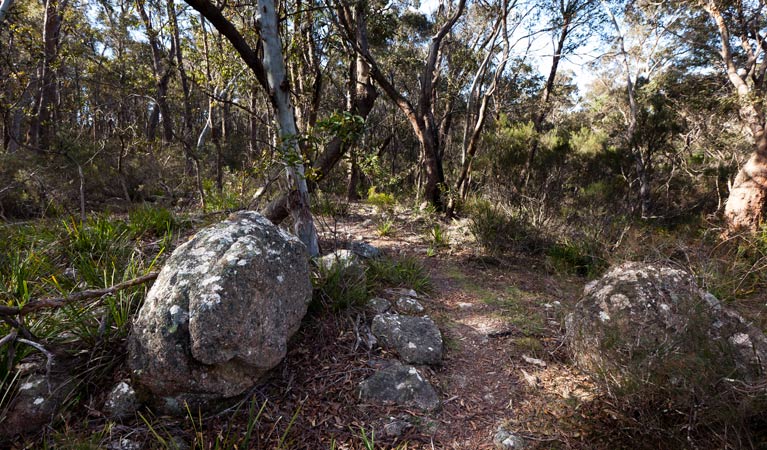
(385, 228)
(381, 200)
(575, 258)
(151, 220)
(437, 236)
(402, 272)
(224, 200)
(498, 231)
(338, 286)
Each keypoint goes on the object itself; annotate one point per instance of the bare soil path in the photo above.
(504, 365)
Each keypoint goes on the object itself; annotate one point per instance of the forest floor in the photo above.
(504, 366)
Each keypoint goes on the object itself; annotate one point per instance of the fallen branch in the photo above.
(57, 302)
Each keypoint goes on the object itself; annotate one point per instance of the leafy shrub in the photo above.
(498, 232)
(578, 258)
(381, 200)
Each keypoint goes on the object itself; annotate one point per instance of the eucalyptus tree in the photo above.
(268, 67)
(495, 51)
(570, 23)
(419, 107)
(741, 26)
(641, 48)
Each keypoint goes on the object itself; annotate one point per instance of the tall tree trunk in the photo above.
(43, 126)
(161, 72)
(181, 70)
(279, 93)
(747, 202)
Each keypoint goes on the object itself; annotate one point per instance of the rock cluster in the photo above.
(416, 340)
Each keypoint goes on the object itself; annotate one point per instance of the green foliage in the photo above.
(578, 258)
(588, 142)
(381, 200)
(339, 286)
(344, 125)
(225, 200)
(385, 228)
(401, 272)
(55, 259)
(153, 221)
(497, 231)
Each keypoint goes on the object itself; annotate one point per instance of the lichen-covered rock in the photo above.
(121, 402)
(365, 250)
(409, 305)
(35, 405)
(649, 324)
(220, 313)
(347, 263)
(378, 305)
(400, 385)
(417, 340)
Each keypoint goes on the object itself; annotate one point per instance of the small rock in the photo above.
(121, 402)
(378, 305)
(124, 444)
(401, 292)
(409, 305)
(37, 402)
(416, 339)
(464, 305)
(505, 440)
(536, 361)
(396, 428)
(365, 250)
(400, 385)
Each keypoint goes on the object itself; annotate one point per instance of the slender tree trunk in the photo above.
(274, 66)
(161, 73)
(181, 70)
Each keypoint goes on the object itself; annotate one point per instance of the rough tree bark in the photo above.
(747, 202)
(43, 124)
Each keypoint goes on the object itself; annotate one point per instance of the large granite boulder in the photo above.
(220, 313)
(649, 326)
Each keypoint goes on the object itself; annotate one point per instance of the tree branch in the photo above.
(57, 302)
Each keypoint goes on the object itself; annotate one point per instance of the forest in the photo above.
(502, 154)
